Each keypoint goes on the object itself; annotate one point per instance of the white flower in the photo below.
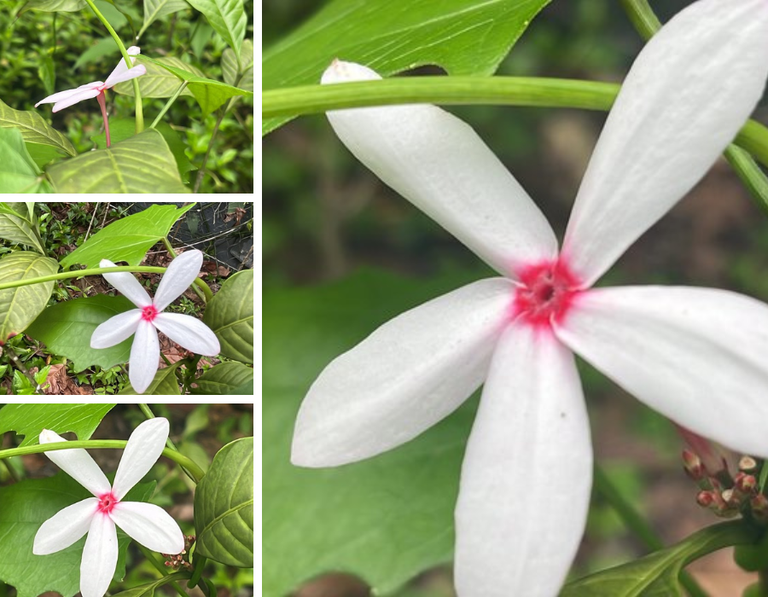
(69, 97)
(695, 355)
(186, 331)
(148, 524)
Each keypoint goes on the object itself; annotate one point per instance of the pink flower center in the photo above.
(545, 292)
(107, 502)
(149, 313)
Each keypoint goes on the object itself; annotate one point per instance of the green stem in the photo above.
(201, 171)
(92, 444)
(11, 472)
(138, 106)
(643, 18)
(507, 91)
(168, 104)
(638, 525)
(150, 556)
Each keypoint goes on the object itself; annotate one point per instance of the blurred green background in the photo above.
(42, 53)
(326, 218)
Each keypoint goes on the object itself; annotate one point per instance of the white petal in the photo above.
(116, 75)
(68, 93)
(65, 527)
(131, 73)
(116, 329)
(686, 96)
(696, 355)
(178, 277)
(77, 463)
(527, 473)
(127, 284)
(145, 354)
(189, 332)
(150, 525)
(99, 557)
(406, 376)
(438, 162)
(75, 98)
(144, 448)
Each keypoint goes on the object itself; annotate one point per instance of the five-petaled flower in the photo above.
(97, 89)
(97, 516)
(185, 330)
(696, 355)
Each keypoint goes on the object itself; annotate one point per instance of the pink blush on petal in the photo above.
(545, 293)
(107, 502)
(149, 313)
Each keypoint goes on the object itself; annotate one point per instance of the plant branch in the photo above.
(150, 556)
(92, 444)
(168, 104)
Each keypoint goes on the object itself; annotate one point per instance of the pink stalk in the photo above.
(103, 105)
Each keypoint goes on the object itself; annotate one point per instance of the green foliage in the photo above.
(238, 71)
(158, 82)
(230, 316)
(163, 384)
(227, 17)
(34, 129)
(128, 239)
(224, 506)
(18, 171)
(656, 575)
(462, 36)
(29, 419)
(148, 590)
(66, 329)
(157, 9)
(18, 225)
(26, 505)
(226, 379)
(142, 164)
(19, 306)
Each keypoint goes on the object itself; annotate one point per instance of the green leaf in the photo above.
(157, 9)
(125, 128)
(224, 506)
(30, 419)
(656, 575)
(104, 47)
(43, 155)
(387, 518)
(239, 74)
(47, 73)
(20, 306)
(209, 94)
(16, 227)
(26, 505)
(227, 17)
(18, 171)
(34, 129)
(66, 329)
(127, 239)
(148, 590)
(158, 82)
(230, 316)
(141, 164)
(465, 37)
(164, 383)
(54, 6)
(226, 379)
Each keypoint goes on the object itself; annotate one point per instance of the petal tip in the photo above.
(340, 71)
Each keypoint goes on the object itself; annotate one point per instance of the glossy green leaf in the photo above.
(209, 94)
(227, 17)
(230, 316)
(106, 46)
(148, 589)
(125, 128)
(66, 329)
(165, 383)
(26, 505)
(18, 171)
(17, 227)
(141, 164)
(54, 6)
(20, 306)
(158, 82)
(657, 574)
(224, 506)
(238, 73)
(30, 419)
(42, 155)
(47, 73)
(128, 239)
(34, 129)
(385, 519)
(157, 9)
(465, 37)
(226, 379)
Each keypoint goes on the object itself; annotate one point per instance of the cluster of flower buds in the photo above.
(181, 560)
(725, 494)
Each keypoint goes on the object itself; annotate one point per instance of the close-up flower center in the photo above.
(149, 313)
(545, 292)
(107, 502)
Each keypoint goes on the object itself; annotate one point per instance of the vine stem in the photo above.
(150, 556)
(168, 104)
(139, 108)
(91, 444)
(638, 524)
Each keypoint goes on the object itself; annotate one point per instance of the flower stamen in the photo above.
(545, 292)
(149, 313)
(107, 502)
